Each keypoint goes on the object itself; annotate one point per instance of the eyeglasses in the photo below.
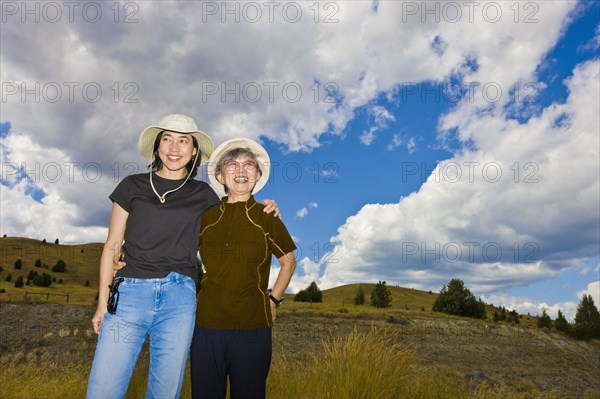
(113, 295)
(232, 166)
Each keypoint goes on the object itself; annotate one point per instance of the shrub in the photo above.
(359, 365)
(2, 290)
(44, 241)
(45, 280)
(60, 266)
(60, 281)
(56, 241)
(513, 317)
(310, 294)
(19, 282)
(38, 263)
(544, 320)
(31, 275)
(458, 300)
(8, 278)
(87, 283)
(359, 298)
(18, 264)
(381, 296)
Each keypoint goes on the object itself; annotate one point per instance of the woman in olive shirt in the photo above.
(235, 311)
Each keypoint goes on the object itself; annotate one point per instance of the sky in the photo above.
(410, 142)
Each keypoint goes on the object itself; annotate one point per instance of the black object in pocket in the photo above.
(113, 295)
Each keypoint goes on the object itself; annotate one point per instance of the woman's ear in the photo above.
(219, 177)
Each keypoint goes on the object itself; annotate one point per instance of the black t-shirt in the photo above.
(162, 238)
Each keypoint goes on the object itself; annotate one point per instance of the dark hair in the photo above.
(157, 164)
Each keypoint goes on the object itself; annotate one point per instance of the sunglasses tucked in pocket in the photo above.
(113, 295)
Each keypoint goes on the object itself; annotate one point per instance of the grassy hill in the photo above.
(82, 265)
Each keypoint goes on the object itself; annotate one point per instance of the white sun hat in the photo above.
(261, 157)
(177, 123)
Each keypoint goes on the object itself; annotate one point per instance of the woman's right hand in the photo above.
(118, 263)
(98, 317)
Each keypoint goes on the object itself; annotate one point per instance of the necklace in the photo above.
(162, 198)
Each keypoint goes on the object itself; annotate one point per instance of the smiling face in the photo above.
(239, 176)
(175, 152)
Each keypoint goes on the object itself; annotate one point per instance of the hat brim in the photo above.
(262, 157)
(148, 136)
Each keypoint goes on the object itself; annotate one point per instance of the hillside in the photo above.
(82, 262)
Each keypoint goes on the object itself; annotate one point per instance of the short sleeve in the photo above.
(121, 194)
(280, 241)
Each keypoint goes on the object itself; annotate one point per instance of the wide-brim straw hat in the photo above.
(261, 157)
(177, 123)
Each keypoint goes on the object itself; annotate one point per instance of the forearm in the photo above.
(288, 265)
(111, 248)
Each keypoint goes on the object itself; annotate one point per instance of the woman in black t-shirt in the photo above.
(157, 215)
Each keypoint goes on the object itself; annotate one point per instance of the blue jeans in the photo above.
(165, 310)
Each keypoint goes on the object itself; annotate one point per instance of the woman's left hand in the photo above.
(271, 206)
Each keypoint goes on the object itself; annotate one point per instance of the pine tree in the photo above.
(587, 319)
(8, 278)
(381, 296)
(38, 263)
(18, 264)
(359, 299)
(561, 323)
(19, 282)
(544, 320)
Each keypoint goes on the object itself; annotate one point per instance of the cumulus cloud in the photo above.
(513, 210)
(80, 92)
(593, 289)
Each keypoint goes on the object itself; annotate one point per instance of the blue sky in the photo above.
(450, 145)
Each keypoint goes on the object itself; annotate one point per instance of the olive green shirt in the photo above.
(237, 242)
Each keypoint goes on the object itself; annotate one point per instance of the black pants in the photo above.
(243, 355)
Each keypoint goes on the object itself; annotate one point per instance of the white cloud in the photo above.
(593, 289)
(512, 211)
(381, 118)
(301, 213)
(368, 136)
(524, 305)
(111, 87)
(411, 145)
(395, 143)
